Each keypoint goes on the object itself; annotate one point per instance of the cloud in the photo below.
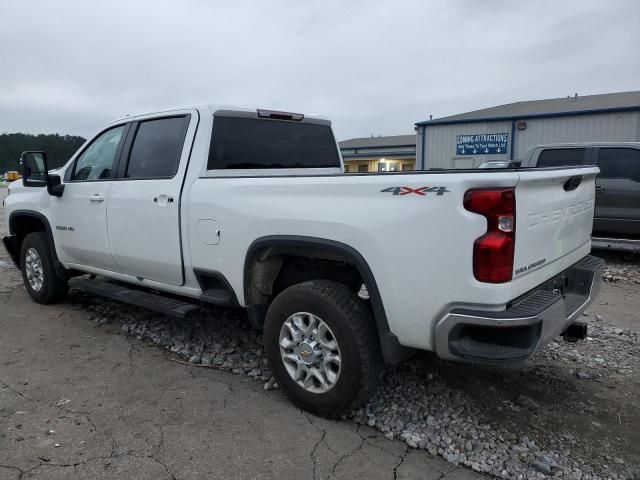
(374, 67)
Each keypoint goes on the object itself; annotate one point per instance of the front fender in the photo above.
(19, 235)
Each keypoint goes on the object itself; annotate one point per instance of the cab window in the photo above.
(96, 162)
(619, 163)
(249, 143)
(157, 148)
(561, 157)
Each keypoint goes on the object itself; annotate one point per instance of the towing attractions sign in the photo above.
(482, 144)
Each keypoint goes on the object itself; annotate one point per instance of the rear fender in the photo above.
(392, 351)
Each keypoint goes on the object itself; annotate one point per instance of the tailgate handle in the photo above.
(572, 183)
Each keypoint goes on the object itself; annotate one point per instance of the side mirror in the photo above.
(35, 173)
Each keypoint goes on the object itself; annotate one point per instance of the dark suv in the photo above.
(617, 187)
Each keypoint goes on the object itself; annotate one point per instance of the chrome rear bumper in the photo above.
(526, 325)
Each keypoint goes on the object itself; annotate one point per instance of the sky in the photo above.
(373, 67)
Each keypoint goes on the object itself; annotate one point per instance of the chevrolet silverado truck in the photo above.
(251, 208)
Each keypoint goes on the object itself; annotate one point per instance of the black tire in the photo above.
(54, 288)
(353, 327)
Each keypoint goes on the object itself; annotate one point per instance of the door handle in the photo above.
(599, 188)
(162, 200)
(96, 198)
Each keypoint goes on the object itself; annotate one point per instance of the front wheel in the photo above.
(38, 271)
(322, 346)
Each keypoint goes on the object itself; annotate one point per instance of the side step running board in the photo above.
(158, 303)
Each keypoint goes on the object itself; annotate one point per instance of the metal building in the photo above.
(508, 131)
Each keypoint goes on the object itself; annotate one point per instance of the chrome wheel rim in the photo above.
(33, 268)
(310, 352)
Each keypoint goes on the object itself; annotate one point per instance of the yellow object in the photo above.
(13, 175)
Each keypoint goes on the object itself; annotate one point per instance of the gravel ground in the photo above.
(572, 411)
(621, 267)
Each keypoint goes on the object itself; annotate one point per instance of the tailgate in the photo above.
(554, 215)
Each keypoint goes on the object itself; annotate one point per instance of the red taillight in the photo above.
(493, 252)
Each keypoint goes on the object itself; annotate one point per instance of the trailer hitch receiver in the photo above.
(576, 331)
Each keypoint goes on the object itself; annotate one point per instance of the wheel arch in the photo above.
(23, 222)
(316, 247)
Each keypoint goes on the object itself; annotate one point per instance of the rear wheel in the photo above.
(322, 346)
(38, 271)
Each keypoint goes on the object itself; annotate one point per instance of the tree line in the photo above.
(59, 148)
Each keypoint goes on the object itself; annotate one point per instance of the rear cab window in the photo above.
(561, 157)
(239, 143)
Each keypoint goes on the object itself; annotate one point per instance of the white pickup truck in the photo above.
(251, 208)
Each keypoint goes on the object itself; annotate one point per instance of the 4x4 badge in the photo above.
(416, 191)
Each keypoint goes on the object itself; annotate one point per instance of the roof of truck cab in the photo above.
(213, 108)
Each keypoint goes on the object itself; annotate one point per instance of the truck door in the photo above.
(618, 191)
(79, 216)
(143, 208)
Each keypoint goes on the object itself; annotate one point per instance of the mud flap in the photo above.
(11, 244)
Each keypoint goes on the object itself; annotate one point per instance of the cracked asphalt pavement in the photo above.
(80, 402)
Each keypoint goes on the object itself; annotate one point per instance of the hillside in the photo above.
(59, 148)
